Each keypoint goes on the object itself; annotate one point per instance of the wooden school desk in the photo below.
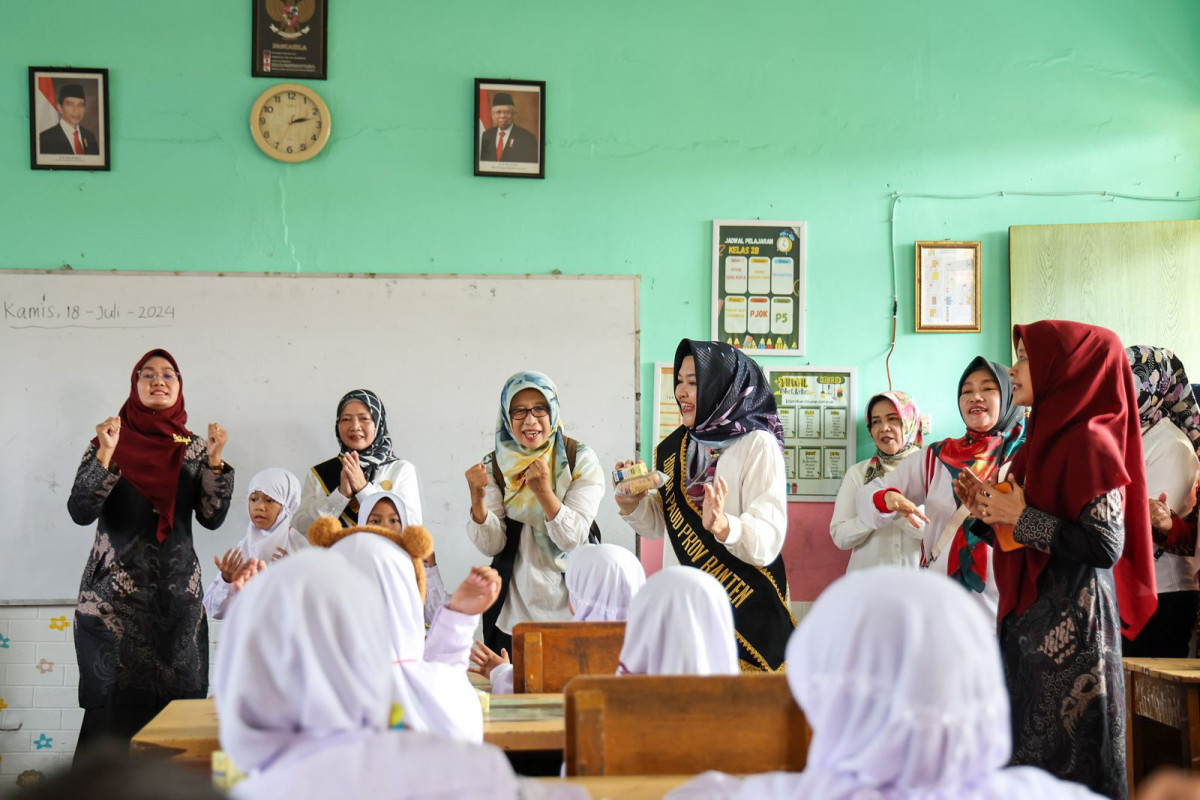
(624, 787)
(1166, 690)
(186, 730)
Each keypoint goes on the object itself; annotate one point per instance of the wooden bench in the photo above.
(683, 725)
(548, 654)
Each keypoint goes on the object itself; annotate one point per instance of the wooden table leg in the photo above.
(1133, 735)
(1191, 736)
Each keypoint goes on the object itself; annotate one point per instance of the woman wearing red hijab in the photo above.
(140, 633)
(1080, 549)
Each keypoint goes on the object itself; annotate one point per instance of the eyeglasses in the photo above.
(539, 412)
(148, 375)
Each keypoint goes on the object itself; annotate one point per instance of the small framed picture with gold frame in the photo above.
(948, 298)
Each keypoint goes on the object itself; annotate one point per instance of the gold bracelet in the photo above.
(219, 468)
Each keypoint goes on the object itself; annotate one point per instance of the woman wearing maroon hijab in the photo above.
(140, 633)
(1083, 528)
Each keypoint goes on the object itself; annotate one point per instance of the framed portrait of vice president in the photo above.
(68, 118)
(510, 128)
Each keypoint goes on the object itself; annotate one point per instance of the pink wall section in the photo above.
(812, 560)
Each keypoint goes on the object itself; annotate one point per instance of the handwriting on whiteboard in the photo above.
(48, 314)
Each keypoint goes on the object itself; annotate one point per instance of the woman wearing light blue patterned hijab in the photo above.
(529, 506)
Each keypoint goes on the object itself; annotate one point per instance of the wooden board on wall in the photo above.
(1141, 279)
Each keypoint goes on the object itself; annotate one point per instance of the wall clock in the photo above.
(290, 122)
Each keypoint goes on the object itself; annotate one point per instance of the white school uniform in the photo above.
(756, 506)
(680, 623)
(304, 705)
(537, 592)
(397, 476)
(429, 676)
(1171, 467)
(896, 544)
(899, 707)
(283, 487)
(435, 590)
(923, 479)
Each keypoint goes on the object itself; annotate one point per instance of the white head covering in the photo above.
(900, 677)
(680, 623)
(370, 501)
(434, 697)
(299, 660)
(601, 580)
(283, 487)
(304, 704)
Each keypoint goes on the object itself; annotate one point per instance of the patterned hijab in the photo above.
(1164, 391)
(514, 458)
(151, 446)
(733, 399)
(379, 452)
(910, 418)
(982, 452)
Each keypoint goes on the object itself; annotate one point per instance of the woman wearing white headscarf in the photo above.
(533, 499)
(273, 497)
(431, 697)
(391, 515)
(601, 581)
(900, 678)
(680, 623)
(304, 706)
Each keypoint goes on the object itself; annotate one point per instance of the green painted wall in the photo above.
(661, 117)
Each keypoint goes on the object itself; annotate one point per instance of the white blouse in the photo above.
(1171, 467)
(756, 505)
(896, 544)
(937, 494)
(397, 476)
(537, 591)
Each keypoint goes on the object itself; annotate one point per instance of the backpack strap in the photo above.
(497, 474)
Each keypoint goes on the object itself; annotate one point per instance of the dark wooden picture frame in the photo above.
(289, 40)
(522, 149)
(68, 104)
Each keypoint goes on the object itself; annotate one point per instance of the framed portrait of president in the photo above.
(68, 118)
(510, 128)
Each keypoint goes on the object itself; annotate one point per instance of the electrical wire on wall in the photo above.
(898, 196)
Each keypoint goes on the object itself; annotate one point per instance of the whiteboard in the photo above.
(269, 356)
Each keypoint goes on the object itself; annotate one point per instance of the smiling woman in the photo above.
(994, 432)
(894, 422)
(140, 633)
(533, 500)
(366, 465)
(723, 509)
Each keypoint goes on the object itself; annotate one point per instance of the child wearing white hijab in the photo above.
(386, 510)
(432, 696)
(304, 706)
(601, 581)
(900, 677)
(680, 623)
(267, 537)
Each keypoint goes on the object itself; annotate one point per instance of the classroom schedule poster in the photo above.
(666, 410)
(758, 286)
(816, 407)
